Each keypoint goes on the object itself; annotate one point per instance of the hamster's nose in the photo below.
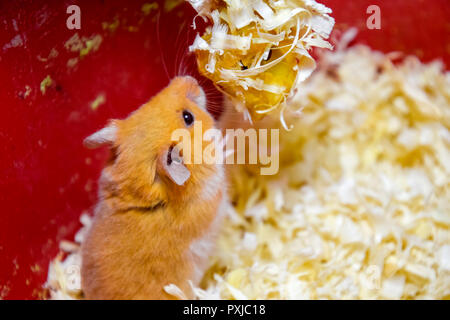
(185, 81)
(190, 79)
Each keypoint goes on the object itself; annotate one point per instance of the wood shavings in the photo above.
(64, 276)
(99, 100)
(257, 50)
(364, 208)
(46, 83)
(83, 45)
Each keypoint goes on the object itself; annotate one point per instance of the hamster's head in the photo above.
(150, 162)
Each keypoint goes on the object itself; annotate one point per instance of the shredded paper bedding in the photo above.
(360, 207)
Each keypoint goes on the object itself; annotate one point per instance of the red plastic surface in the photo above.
(47, 178)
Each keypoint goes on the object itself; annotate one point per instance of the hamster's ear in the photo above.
(172, 164)
(105, 136)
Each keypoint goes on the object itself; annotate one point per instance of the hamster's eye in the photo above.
(188, 117)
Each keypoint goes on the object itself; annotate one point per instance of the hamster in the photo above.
(157, 217)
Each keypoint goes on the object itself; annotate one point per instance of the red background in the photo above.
(47, 178)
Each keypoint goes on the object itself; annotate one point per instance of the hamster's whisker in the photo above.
(158, 32)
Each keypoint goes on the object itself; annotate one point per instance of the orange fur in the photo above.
(144, 223)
